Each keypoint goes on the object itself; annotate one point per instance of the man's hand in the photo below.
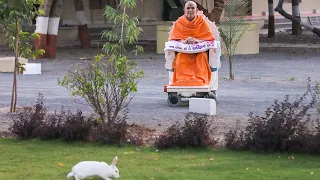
(191, 40)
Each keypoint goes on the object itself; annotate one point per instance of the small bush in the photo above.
(50, 127)
(286, 127)
(235, 138)
(171, 138)
(110, 132)
(35, 123)
(29, 121)
(76, 127)
(195, 133)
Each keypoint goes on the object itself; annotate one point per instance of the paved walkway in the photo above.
(259, 80)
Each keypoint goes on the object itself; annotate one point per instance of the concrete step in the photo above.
(95, 36)
(98, 30)
(280, 26)
(279, 23)
(140, 42)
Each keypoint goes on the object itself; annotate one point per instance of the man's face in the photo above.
(190, 10)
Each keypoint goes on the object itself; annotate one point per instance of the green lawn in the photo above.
(52, 160)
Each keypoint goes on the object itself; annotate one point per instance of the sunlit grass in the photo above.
(40, 160)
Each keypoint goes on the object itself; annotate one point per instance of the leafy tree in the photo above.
(12, 14)
(107, 83)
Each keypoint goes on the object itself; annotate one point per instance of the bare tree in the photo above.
(271, 26)
(296, 20)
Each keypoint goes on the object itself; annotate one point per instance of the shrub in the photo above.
(286, 127)
(76, 127)
(29, 121)
(171, 138)
(195, 133)
(110, 132)
(35, 123)
(50, 127)
(235, 138)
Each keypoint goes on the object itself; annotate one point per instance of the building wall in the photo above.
(151, 10)
(259, 7)
(68, 16)
(147, 10)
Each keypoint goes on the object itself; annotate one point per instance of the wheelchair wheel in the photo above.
(212, 95)
(174, 100)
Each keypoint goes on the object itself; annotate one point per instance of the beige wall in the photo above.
(148, 10)
(68, 15)
(151, 10)
(306, 7)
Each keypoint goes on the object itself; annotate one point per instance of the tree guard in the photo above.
(47, 26)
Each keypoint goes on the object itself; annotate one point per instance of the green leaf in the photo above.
(40, 12)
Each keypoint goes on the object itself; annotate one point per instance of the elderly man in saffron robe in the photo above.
(191, 69)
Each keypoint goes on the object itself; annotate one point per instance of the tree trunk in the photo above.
(216, 13)
(16, 61)
(231, 75)
(205, 11)
(294, 19)
(271, 25)
(53, 27)
(47, 26)
(83, 30)
(296, 28)
(217, 10)
(42, 28)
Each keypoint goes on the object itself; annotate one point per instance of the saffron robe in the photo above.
(191, 69)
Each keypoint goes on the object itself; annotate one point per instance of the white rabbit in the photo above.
(94, 168)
